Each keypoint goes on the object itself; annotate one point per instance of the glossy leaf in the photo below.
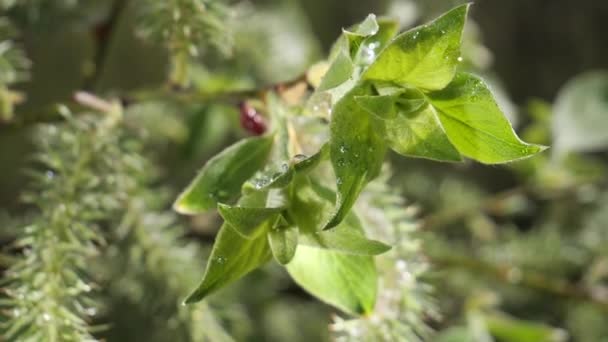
(348, 237)
(232, 257)
(420, 134)
(357, 149)
(283, 243)
(340, 70)
(311, 206)
(348, 282)
(382, 106)
(308, 164)
(426, 56)
(580, 114)
(475, 124)
(369, 47)
(248, 222)
(345, 241)
(221, 178)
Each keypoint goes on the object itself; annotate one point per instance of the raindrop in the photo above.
(459, 59)
(220, 260)
(50, 174)
(299, 158)
(343, 149)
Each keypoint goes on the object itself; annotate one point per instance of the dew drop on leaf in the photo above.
(299, 158)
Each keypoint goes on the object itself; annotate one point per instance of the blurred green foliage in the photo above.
(515, 252)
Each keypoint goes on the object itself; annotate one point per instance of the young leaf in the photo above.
(357, 34)
(231, 258)
(475, 124)
(310, 207)
(348, 282)
(283, 243)
(345, 241)
(420, 135)
(426, 56)
(357, 149)
(382, 106)
(248, 222)
(340, 70)
(221, 178)
(306, 165)
(348, 237)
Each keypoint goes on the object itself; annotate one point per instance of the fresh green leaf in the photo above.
(366, 28)
(475, 124)
(426, 56)
(345, 241)
(221, 178)
(420, 134)
(283, 243)
(356, 35)
(231, 258)
(339, 72)
(310, 207)
(382, 106)
(347, 237)
(357, 149)
(349, 282)
(580, 112)
(306, 165)
(248, 222)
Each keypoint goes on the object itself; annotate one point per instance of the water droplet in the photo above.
(220, 260)
(339, 181)
(50, 174)
(341, 162)
(299, 158)
(459, 59)
(367, 55)
(343, 149)
(284, 167)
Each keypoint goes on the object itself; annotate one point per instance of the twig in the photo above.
(516, 276)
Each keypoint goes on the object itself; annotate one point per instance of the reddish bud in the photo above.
(251, 120)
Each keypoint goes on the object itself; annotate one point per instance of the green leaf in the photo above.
(345, 241)
(348, 282)
(420, 134)
(580, 118)
(382, 106)
(356, 35)
(348, 237)
(475, 124)
(283, 243)
(357, 149)
(306, 165)
(426, 56)
(231, 258)
(310, 205)
(221, 178)
(248, 222)
(339, 72)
